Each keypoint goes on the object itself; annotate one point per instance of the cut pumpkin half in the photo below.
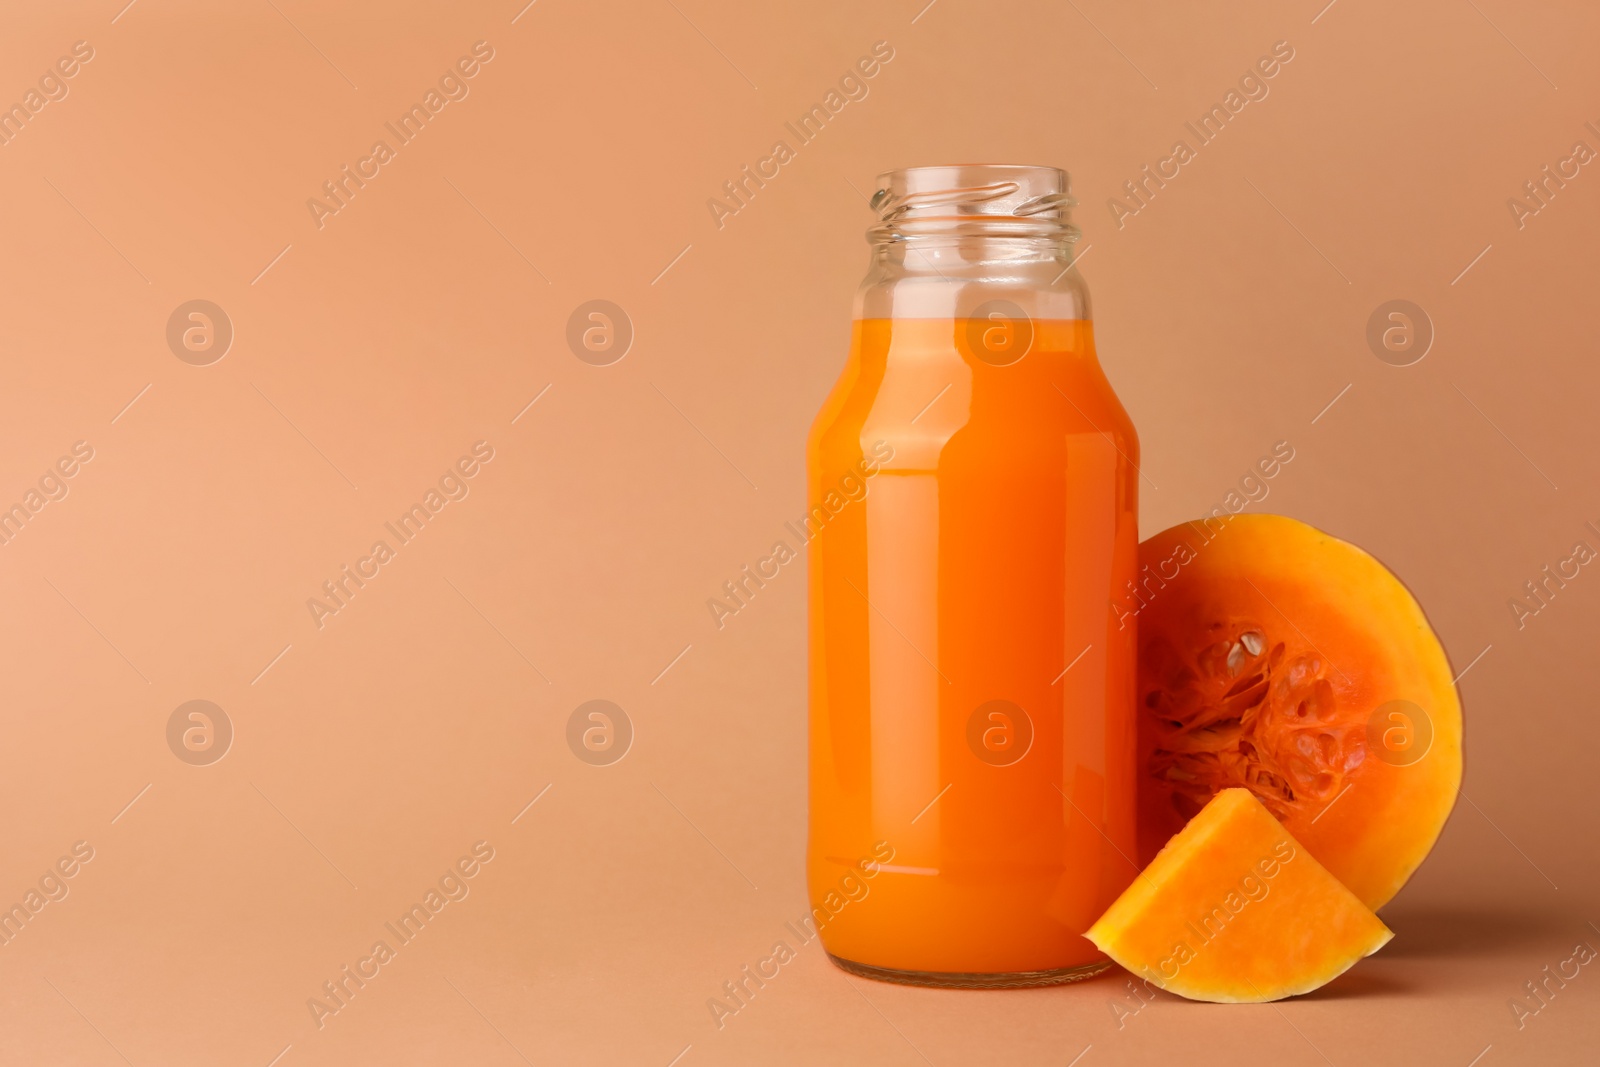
(1234, 910)
(1276, 658)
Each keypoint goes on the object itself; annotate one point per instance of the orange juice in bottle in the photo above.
(972, 489)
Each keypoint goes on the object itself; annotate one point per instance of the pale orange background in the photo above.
(430, 311)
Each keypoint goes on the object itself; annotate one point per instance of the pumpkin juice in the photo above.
(972, 689)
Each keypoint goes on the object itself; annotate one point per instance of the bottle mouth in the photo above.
(981, 200)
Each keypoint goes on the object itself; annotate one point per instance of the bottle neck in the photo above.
(956, 242)
(948, 278)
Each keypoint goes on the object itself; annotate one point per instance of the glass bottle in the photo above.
(973, 498)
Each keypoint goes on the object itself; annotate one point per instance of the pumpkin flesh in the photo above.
(1234, 910)
(1276, 658)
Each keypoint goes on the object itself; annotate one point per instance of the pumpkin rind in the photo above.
(1234, 910)
(1277, 658)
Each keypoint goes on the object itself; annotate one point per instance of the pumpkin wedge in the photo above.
(1280, 659)
(1234, 910)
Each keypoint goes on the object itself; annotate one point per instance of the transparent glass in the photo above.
(972, 485)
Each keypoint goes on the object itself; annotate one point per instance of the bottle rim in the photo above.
(978, 200)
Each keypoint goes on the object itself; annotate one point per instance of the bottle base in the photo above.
(963, 980)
